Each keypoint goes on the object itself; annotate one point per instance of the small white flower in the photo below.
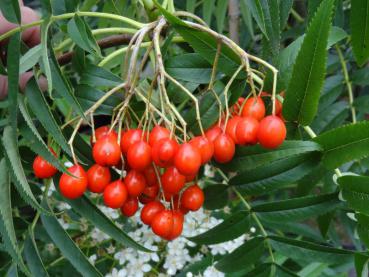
(252, 230)
(64, 224)
(92, 258)
(212, 272)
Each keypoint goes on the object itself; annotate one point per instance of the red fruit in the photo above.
(150, 176)
(115, 194)
(129, 138)
(177, 205)
(106, 151)
(162, 224)
(224, 148)
(157, 133)
(192, 198)
(213, 133)
(42, 168)
(190, 178)
(163, 152)
(272, 132)
(205, 147)
(167, 196)
(172, 181)
(150, 210)
(254, 107)
(187, 159)
(101, 132)
(177, 228)
(247, 131)
(278, 107)
(130, 207)
(149, 194)
(237, 106)
(231, 127)
(98, 178)
(139, 155)
(73, 187)
(135, 183)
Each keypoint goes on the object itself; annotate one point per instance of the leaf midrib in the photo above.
(310, 71)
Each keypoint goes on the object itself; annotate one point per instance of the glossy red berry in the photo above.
(115, 194)
(254, 107)
(150, 176)
(157, 133)
(150, 210)
(192, 198)
(172, 181)
(42, 168)
(231, 127)
(164, 151)
(213, 133)
(177, 206)
(272, 132)
(162, 224)
(237, 106)
(224, 148)
(73, 187)
(139, 155)
(187, 159)
(101, 132)
(106, 151)
(149, 194)
(130, 207)
(177, 228)
(247, 131)
(129, 138)
(205, 147)
(98, 178)
(135, 183)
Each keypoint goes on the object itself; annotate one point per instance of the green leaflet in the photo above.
(302, 95)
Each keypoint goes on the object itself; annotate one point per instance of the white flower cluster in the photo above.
(176, 255)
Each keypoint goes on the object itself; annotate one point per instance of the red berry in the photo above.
(272, 132)
(150, 176)
(190, 178)
(106, 151)
(231, 127)
(162, 224)
(139, 155)
(205, 147)
(213, 133)
(157, 133)
(73, 187)
(172, 181)
(150, 210)
(177, 206)
(192, 198)
(237, 106)
(42, 168)
(177, 228)
(101, 132)
(255, 108)
(163, 152)
(247, 130)
(224, 148)
(130, 207)
(149, 194)
(135, 183)
(98, 178)
(129, 138)
(187, 159)
(115, 194)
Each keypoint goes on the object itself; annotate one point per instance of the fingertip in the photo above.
(3, 86)
(32, 35)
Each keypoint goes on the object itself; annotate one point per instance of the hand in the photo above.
(30, 36)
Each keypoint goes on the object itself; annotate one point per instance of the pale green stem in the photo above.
(348, 83)
(67, 42)
(20, 28)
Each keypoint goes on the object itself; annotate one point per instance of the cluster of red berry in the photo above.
(158, 167)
